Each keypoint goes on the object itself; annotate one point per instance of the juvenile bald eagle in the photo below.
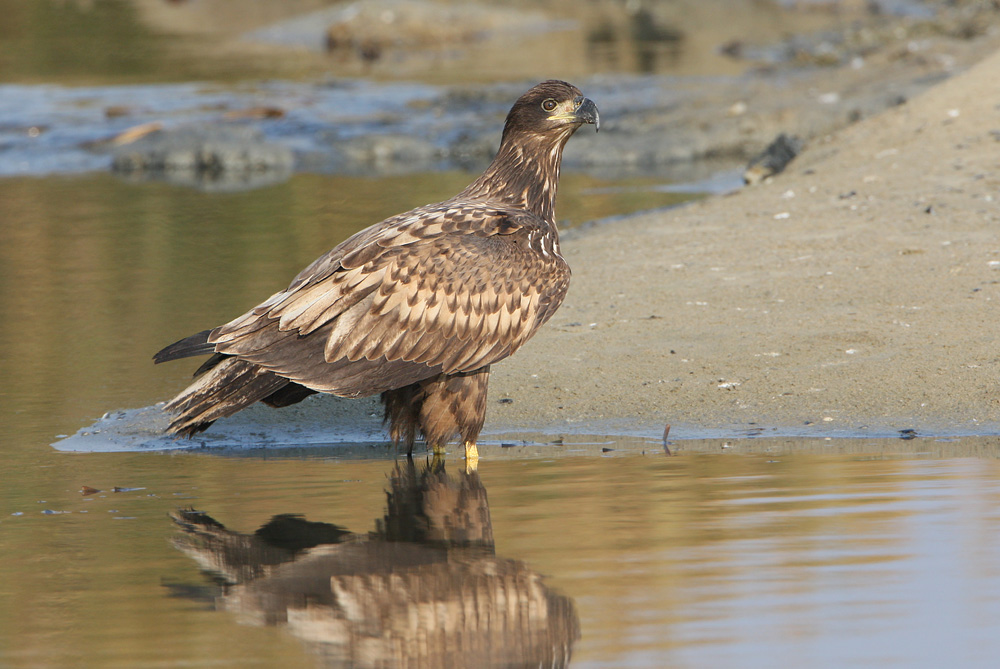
(416, 307)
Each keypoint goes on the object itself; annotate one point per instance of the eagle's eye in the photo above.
(549, 105)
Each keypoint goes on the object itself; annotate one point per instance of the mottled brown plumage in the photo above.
(416, 307)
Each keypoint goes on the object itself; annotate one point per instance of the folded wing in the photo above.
(449, 288)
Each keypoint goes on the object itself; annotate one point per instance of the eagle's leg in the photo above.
(455, 404)
(441, 407)
(471, 457)
(402, 413)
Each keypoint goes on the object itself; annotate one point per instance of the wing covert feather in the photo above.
(450, 287)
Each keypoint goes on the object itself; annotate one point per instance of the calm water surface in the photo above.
(692, 560)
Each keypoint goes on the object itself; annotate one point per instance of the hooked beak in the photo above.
(582, 110)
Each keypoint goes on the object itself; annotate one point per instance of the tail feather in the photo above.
(196, 344)
(214, 360)
(226, 388)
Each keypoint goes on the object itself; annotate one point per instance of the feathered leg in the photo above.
(440, 408)
(455, 404)
(402, 413)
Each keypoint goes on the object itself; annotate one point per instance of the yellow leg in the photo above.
(439, 449)
(471, 456)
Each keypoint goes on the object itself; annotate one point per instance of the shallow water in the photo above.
(700, 559)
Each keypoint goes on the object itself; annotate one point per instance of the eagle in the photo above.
(415, 308)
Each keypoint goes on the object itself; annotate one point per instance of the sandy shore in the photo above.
(854, 294)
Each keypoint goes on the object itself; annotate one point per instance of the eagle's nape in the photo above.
(415, 308)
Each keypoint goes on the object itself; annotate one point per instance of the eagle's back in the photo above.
(449, 287)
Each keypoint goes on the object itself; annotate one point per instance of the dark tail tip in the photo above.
(196, 344)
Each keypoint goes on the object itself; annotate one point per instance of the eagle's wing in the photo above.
(447, 288)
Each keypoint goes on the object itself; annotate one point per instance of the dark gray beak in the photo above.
(586, 112)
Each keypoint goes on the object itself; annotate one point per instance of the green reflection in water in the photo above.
(54, 39)
(91, 585)
(78, 42)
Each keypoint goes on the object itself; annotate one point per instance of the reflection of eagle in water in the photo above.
(425, 589)
(416, 307)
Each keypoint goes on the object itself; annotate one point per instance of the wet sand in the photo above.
(854, 294)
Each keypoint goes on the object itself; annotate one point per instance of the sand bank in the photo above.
(855, 293)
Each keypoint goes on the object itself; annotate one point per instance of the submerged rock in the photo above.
(388, 153)
(208, 156)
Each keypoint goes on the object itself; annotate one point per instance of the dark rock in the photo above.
(388, 153)
(208, 156)
(773, 159)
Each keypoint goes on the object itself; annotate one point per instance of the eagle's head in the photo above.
(525, 171)
(552, 108)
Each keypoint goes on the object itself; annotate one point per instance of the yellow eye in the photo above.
(549, 105)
